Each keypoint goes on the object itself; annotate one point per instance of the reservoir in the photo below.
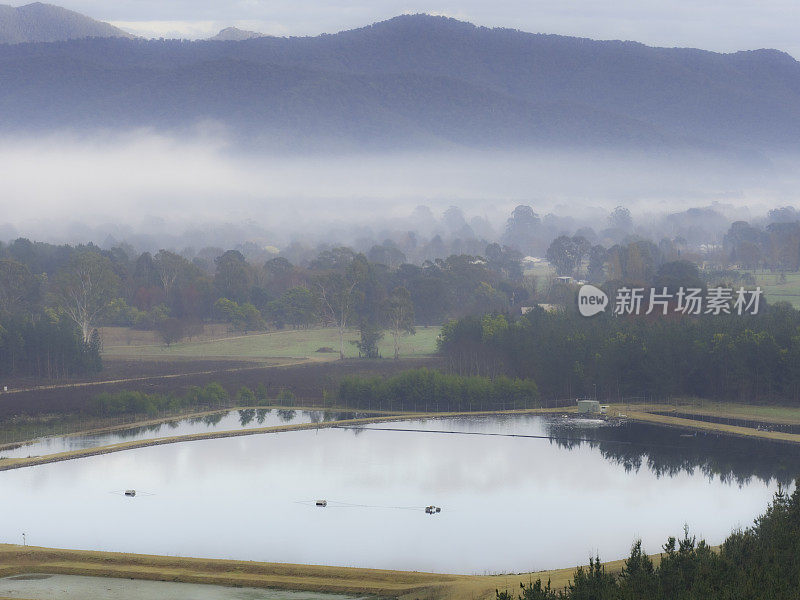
(516, 494)
(225, 420)
(76, 587)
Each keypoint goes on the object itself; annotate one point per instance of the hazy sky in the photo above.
(722, 25)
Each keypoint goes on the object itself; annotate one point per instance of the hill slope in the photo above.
(40, 22)
(413, 81)
(234, 34)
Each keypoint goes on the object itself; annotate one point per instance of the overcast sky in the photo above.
(722, 25)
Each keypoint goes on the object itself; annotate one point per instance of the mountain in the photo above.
(234, 34)
(39, 22)
(415, 81)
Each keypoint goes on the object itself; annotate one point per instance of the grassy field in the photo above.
(543, 273)
(777, 291)
(296, 343)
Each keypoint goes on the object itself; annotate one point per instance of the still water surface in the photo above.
(76, 587)
(226, 420)
(508, 503)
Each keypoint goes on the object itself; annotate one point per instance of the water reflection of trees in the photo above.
(213, 419)
(326, 416)
(668, 451)
(134, 432)
(246, 416)
(286, 415)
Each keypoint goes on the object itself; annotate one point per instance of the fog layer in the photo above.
(63, 186)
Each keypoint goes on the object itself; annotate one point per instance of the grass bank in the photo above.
(405, 585)
(645, 413)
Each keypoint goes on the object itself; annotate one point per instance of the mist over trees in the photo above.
(386, 285)
(174, 295)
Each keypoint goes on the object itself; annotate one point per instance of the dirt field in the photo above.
(306, 380)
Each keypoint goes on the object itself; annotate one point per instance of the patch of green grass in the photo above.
(543, 272)
(778, 289)
(297, 343)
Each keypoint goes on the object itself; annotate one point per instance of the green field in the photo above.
(295, 343)
(543, 274)
(777, 291)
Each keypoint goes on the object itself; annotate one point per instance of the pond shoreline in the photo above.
(640, 414)
(381, 583)
(17, 463)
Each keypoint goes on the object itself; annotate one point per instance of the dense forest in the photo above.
(414, 81)
(40, 338)
(46, 290)
(378, 294)
(760, 562)
(427, 390)
(731, 357)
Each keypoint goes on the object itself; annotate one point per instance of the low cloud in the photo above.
(144, 180)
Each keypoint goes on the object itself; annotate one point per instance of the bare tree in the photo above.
(398, 312)
(337, 299)
(168, 266)
(85, 288)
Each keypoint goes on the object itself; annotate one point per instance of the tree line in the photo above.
(175, 295)
(727, 357)
(46, 344)
(760, 562)
(427, 390)
(42, 330)
(210, 396)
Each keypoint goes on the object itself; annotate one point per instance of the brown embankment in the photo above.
(406, 585)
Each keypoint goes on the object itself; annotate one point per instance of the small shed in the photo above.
(588, 407)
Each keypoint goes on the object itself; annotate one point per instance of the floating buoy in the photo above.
(130, 493)
(322, 503)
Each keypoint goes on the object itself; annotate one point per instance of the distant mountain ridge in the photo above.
(40, 22)
(414, 81)
(234, 34)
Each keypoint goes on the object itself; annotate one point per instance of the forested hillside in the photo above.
(412, 81)
(38, 22)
